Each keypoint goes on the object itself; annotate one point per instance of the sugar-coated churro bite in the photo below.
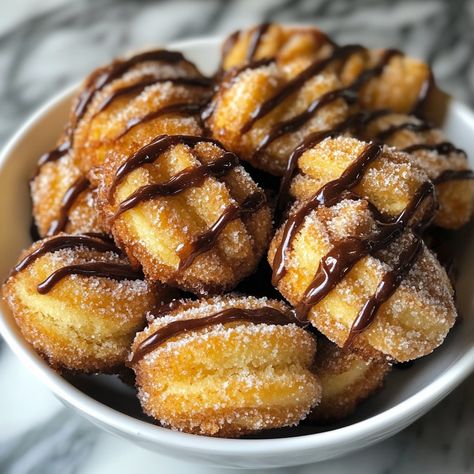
(359, 281)
(262, 115)
(346, 380)
(132, 100)
(78, 302)
(225, 366)
(63, 199)
(443, 162)
(385, 177)
(188, 212)
(165, 179)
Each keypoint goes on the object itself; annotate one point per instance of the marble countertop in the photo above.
(47, 45)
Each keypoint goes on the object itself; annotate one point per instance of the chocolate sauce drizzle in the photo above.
(65, 242)
(179, 107)
(265, 315)
(185, 179)
(151, 152)
(140, 86)
(106, 75)
(453, 175)
(116, 271)
(340, 53)
(205, 241)
(413, 127)
(443, 148)
(349, 94)
(70, 196)
(255, 40)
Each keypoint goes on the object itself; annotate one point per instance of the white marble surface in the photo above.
(47, 44)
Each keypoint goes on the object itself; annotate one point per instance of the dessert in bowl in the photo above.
(166, 181)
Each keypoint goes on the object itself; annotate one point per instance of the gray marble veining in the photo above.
(49, 44)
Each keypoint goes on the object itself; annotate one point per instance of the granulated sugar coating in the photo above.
(415, 319)
(149, 162)
(429, 149)
(346, 379)
(227, 379)
(83, 323)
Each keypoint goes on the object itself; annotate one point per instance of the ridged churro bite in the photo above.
(262, 115)
(185, 209)
(346, 380)
(78, 302)
(124, 105)
(225, 366)
(63, 199)
(430, 149)
(385, 177)
(362, 282)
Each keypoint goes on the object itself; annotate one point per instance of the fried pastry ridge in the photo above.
(63, 199)
(151, 89)
(360, 283)
(78, 302)
(429, 148)
(225, 366)
(184, 208)
(346, 380)
(384, 78)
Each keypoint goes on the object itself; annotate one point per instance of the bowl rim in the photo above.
(366, 429)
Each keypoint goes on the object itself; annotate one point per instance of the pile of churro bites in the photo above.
(250, 244)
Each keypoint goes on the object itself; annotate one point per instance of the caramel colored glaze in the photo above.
(453, 175)
(106, 75)
(349, 94)
(385, 289)
(151, 152)
(265, 315)
(205, 241)
(413, 127)
(328, 195)
(140, 86)
(345, 254)
(180, 107)
(341, 53)
(64, 242)
(185, 179)
(59, 224)
(443, 148)
(116, 271)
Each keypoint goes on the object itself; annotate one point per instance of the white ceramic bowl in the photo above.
(111, 405)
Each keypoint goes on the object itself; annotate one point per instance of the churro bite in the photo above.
(185, 209)
(78, 302)
(63, 199)
(225, 366)
(362, 282)
(266, 106)
(445, 164)
(346, 380)
(387, 178)
(124, 105)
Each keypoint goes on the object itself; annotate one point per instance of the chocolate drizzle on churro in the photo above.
(70, 196)
(185, 179)
(265, 315)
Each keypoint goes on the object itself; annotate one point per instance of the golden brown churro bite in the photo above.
(346, 380)
(280, 84)
(79, 303)
(225, 366)
(127, 103)
(429, 148)
(63, 199)
(188, 212)
(359, 282)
